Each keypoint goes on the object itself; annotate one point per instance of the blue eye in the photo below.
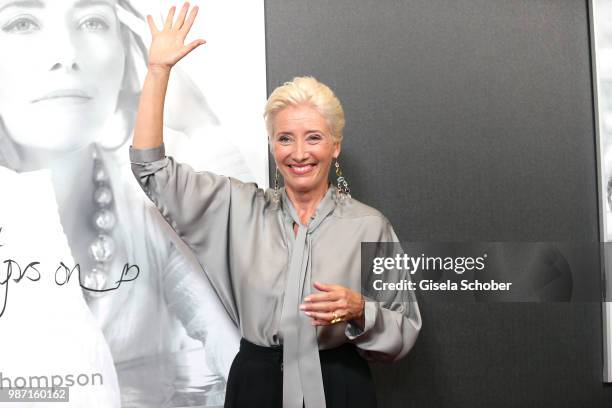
(22, 25)
(94, 24)
(314, 138)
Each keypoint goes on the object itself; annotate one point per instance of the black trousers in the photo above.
(256, 378)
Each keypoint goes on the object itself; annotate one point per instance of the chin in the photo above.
(49, 142)
(58, 136)
(303, 187)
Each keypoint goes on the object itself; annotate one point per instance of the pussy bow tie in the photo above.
(302, 379)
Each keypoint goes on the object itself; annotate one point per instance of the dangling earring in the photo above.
(276, 193)
(343, 187)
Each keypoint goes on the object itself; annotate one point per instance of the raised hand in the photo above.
(168, 45)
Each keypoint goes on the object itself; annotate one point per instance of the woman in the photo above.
(284, 261)
(68, 96)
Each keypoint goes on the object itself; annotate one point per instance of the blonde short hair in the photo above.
(306, 90)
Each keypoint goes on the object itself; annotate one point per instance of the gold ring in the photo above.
(335, 318)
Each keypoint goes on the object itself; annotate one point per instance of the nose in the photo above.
(300, 153)
(68, 65)
(63, 52)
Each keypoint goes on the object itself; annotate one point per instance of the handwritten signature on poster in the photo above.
(63, 273)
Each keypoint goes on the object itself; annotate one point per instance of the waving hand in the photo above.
(168, 44)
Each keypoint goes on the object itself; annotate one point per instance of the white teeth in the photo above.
(301, 169)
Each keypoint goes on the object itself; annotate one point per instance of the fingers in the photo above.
(335, 301)
(188, 48)
(187, 26)
(191, 46)
(324, 287)
(330, 292)
(180, 20)
(319, 306)
(169, 18)
(152, 25)
(316, 322)
(326, 317)
(322, 297)
(322, 316)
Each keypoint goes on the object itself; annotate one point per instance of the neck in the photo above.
(306, 202)
(36, 159)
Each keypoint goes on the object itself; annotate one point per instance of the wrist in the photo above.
(158, 70)
(362, 311)
(359, 319)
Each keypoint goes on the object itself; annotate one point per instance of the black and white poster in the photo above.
(96, 294)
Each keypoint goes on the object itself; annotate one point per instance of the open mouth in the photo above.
(301, 169)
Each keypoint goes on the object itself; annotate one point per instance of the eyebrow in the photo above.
(308, 132)
(40, 4)
(89, 3)
(23, 3)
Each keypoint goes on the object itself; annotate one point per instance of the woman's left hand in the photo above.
(345, 303)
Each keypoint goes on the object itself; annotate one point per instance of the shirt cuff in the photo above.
(353, 331)
(147, 155)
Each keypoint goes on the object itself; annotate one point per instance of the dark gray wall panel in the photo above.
(467, 120)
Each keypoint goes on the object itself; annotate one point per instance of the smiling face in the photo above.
(303, 148)
(61, 70)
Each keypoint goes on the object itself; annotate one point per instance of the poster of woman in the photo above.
(85, 302)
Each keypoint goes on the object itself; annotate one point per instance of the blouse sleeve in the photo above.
(197, 205)
(392, 324)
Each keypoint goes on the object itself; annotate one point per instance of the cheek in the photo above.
(16, 69)
(324, 154)
(280, 153)
(103, 60)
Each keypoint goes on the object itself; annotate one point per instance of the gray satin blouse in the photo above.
(261, 271)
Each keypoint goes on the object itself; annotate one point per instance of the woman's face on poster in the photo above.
(61, 69)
